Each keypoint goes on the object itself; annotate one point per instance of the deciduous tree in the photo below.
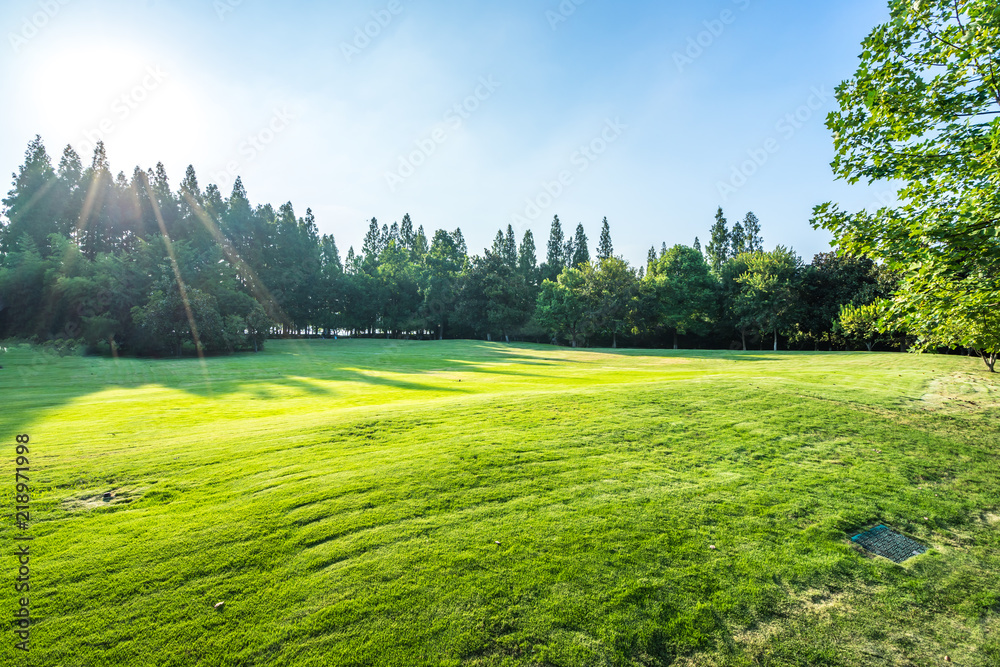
(922, 112)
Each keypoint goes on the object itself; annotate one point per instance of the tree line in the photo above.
(130, 265)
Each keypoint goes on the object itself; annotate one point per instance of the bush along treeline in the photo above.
(127, 264)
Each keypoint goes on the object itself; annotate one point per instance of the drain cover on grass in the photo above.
(886, 543)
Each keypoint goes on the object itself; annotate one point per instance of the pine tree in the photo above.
(351, 264)
(719, 247)
(244, 229)
(459, 239)
(330, 255)
(68, 194)
(605, 250)
(195, 225)
(420, 244)
(751, 229)
(498, 245)
(27, 204)
(99, 161)
(527, 260)
(309, 225)
(737, 240)
(165, 202)
(70, 188)
(69, 163)
(190, 183)
(213, 202)
(510, 248)
(581, 251)
(651, 259)
(95, 232)
(372, 246)
(697, 244)
(555, 259)
(554, 256)
(406, 235)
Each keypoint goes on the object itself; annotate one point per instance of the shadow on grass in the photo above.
(34, 381)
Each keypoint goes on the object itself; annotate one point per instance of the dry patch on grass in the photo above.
(826, 611)
(815, 604)
(101, 499)
(700, 660)
(620, 360)
(968, 392)
(961, 537)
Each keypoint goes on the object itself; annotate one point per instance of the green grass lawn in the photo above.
(462, 503)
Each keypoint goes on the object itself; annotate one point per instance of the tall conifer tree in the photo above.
(718, 249)
(605, 250)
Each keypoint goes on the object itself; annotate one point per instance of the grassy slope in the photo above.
(345, 499)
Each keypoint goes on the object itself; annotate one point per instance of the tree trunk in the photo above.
(676, 347)
(441, 332)
(775, 340)
(869, 345)
(990, 359)
(744, 334)
(614, 338)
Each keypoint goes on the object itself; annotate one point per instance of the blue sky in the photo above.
(475, 115)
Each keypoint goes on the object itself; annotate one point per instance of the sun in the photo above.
(138, 104)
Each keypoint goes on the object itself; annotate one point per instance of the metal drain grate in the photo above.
(884, 542)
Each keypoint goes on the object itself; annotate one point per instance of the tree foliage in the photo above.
(923, 111)
(605, 250)
(719, 247)
(771, 296)
(683, 292)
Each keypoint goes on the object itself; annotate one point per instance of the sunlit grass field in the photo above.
(463, 503)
